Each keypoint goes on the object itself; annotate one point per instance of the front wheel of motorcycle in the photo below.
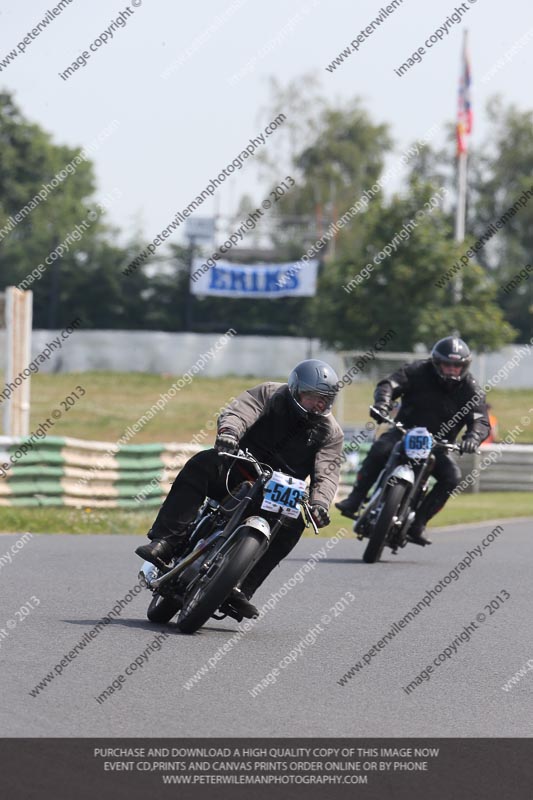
(208, 594)
(162, 609)
(391, 503)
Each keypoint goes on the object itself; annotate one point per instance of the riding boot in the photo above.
(430, 505)
(237, 601)
(165, 544)
(415, 534)
(158, 552)
(351, 504)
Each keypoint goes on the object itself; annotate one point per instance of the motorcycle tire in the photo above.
(162, 609)
(211, 591)
(391, 503)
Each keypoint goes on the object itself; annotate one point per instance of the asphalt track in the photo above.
(77, 580)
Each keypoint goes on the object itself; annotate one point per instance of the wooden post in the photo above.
(18, 312)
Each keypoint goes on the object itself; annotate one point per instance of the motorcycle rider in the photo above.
(287, 425)
(438, 393)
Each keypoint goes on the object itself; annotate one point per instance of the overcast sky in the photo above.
(176, 133)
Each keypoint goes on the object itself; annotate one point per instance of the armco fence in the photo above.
(61, 471)
(499, 468)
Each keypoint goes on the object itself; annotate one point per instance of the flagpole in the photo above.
(460, 219)
(463, 129)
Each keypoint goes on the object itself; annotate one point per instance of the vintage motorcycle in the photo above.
(389, 512)
(225, 541)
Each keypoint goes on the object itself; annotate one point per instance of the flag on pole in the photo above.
(464, 109)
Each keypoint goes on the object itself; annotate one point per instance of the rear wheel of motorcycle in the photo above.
(209, 594)
(162, 609)
(391, 503)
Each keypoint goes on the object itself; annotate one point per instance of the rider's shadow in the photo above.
(128, 623)
(358, 561)
(146, 625)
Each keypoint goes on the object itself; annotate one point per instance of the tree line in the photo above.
(383, 269)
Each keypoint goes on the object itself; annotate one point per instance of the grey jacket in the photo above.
(266, 421)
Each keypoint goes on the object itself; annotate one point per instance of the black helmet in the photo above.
(317, 378)
(451, 352)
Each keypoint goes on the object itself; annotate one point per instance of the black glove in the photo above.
(382, 409)
(320, 516)
(226, 442)
(469, 444)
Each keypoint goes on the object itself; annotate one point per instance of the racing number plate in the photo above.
(418, 443)
(284, 493)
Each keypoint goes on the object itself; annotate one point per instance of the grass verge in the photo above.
(459, 510)
(114, 401)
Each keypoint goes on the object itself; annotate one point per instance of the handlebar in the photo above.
(245, 455)
(450, 447)
(309, 517)
(389, 420)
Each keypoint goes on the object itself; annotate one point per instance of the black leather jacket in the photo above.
(444, 409)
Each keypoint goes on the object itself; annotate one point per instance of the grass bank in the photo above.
(459, 510)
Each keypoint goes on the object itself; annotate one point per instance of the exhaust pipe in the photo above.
(148, 573)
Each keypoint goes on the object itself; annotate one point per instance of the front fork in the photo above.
(410, 500)
(360, 527)
(414, 495)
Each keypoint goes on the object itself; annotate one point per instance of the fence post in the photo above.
(18, 312)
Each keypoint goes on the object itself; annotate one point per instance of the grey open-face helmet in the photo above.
(316, 378)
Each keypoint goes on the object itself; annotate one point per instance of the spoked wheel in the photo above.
(208, 594)
(391, 504)
(162, 609)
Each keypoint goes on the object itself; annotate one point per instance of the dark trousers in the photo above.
(204, 475)
(445, 471)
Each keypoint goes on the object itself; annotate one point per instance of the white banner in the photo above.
(225, 279)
